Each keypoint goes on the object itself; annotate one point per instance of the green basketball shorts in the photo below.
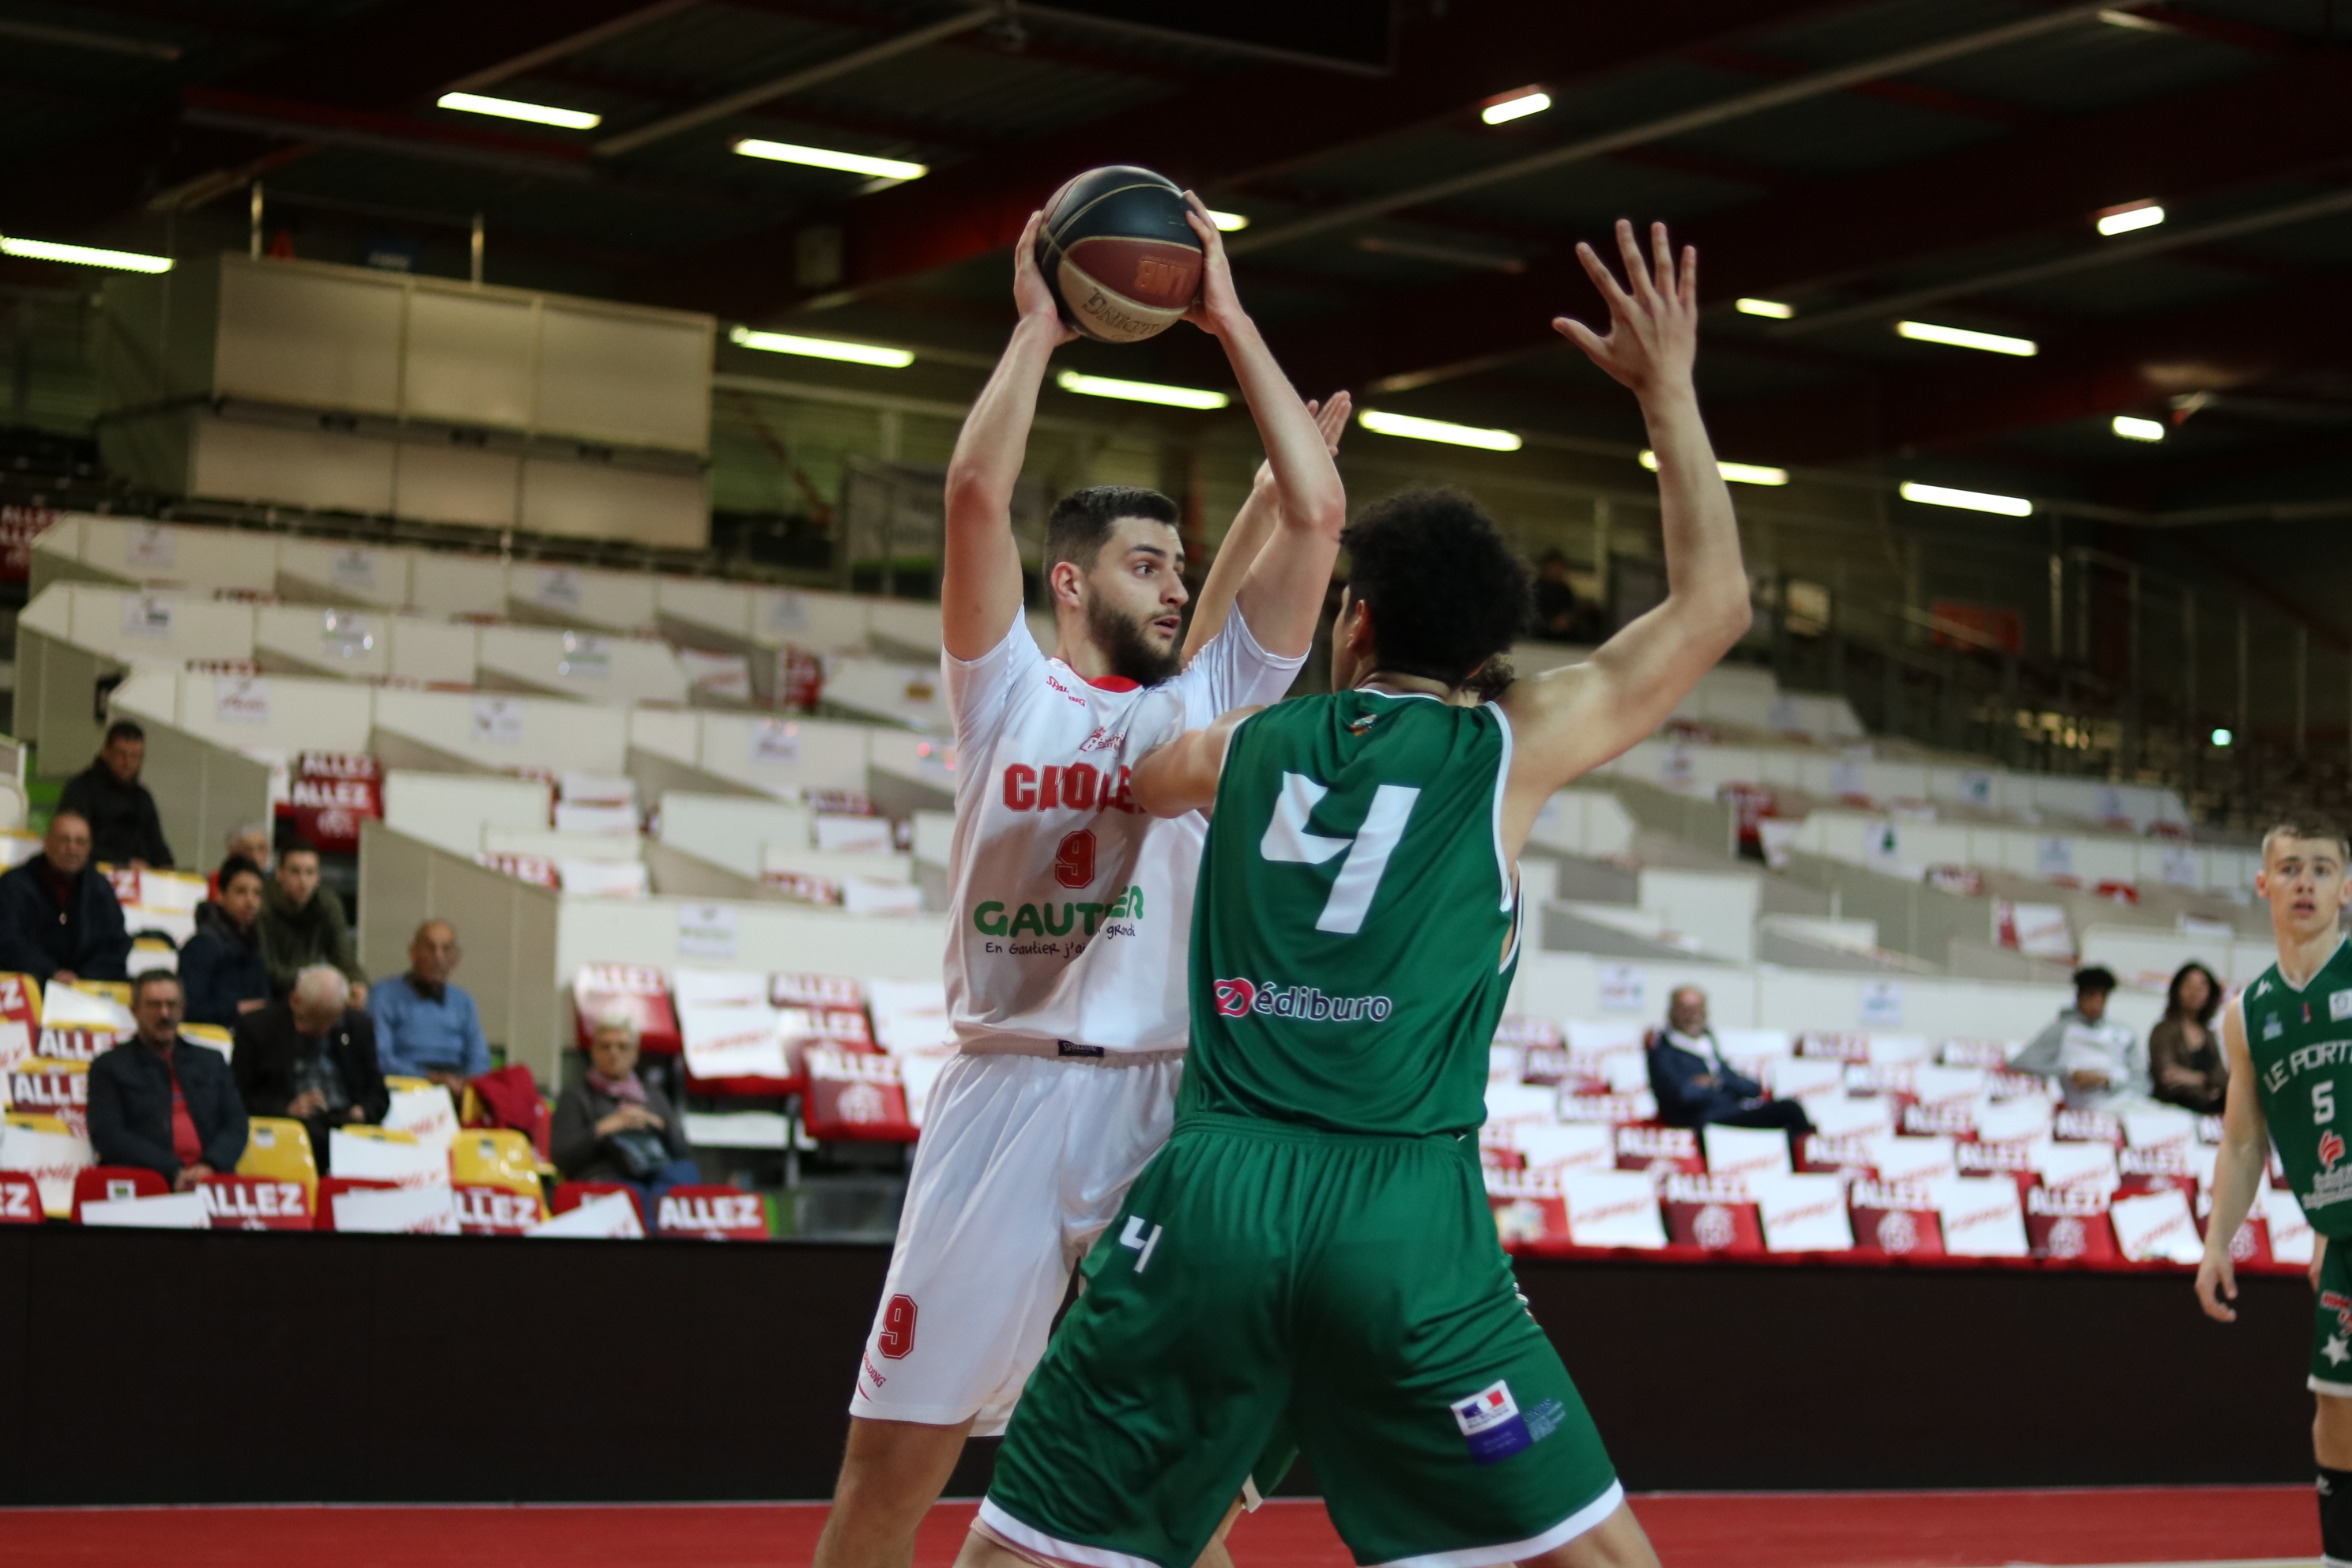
(2331, 1323)
(1263, 1273)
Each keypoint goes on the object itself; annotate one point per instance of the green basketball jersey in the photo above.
(1356, 926)
(2301, 1043)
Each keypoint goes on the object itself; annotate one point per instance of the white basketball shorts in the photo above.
(1024, 1159)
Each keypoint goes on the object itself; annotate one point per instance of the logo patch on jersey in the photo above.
(1234, 999)
(2340, 1006)
(2261, 987)
(1491, 1424)
(1364, 724)
(2272, 1028)
(2331, 1149)
(2335, 1302)
(1072, 1048)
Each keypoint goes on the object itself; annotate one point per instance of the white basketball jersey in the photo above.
(1072, 911)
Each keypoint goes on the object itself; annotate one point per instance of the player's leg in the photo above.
(2331, 1383)
(890, 1475)
(975, 1277)
(1437, 1415)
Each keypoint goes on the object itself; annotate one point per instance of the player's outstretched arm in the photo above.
(2238, 1169)
(1568, 720)
(980, 583)
(1252, 526)
(1181, 776)
(1282, 597)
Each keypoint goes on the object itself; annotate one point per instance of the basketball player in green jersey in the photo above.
(1313, 1244)
(2289, 1038)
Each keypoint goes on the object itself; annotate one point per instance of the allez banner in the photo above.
(712, 1213)
(254, 1203)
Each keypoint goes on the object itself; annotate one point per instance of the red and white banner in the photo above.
(856, 1095)
(254, 1203)
(713, 1213)
(633, 990)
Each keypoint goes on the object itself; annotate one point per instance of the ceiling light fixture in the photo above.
(2134, 215)
(2223, 737)
(2120, 18)
(1966, 500)
(2132, 428)
(509, 109)
(1417, 429)
(1228, 221)
(83, 255)
(822, 348)
(1962, 338)
(1734, 473)
(1772, 308)
(825, 158)
(1516, 107)
(1140, 391)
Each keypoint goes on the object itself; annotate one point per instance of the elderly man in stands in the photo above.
(124, 828)
(302, 924)
(1694, 1086)
(425, 1024)
(250, 842)
(59, 919)
(311, 1056)
(162, 1102)
(2099, 1063)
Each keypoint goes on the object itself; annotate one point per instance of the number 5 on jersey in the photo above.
(1287, 839)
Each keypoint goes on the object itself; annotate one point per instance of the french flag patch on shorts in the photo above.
(1491, 1424)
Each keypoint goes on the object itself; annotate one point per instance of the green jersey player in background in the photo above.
(1312, 1245)
(2289, 1039)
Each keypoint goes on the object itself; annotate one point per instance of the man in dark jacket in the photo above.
(59, 918)
(124, 828)
(302, 924)
(311, 1056)
(1694, 1086)
(221, 964)
(162, 1102)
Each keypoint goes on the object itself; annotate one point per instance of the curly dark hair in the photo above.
(2214, 992)
(1081, 521)
(1447, 592)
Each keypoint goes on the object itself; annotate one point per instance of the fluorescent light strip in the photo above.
(1961, 337)
(83, 255)
(822, 348)
(1966, 500)
(1140, 391)
(1228, 221)
(2132, 428)
(825, 158)
(1734, 473)
(2147, 215)
(1417, 429)
(1518, 108)
(1772, 308)
(509, 109)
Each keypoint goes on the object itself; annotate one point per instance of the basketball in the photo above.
(1115, 250)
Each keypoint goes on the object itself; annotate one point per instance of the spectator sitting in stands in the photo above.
(124, 828)
(612, 1126)
(162, 1102)
(2098, 1062)
(1694, 1086)
(59, 917)
(221, 965)
(311, 1056)
(425, 1025)
(2184, 1050)
(302, 924)
(250, 842)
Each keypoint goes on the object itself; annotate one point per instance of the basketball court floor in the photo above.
(2214, 1525)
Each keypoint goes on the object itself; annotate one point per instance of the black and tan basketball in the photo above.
(1115, 250)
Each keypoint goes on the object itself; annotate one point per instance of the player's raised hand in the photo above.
(2217, 1285)
(1331, 418)
(1218, 305)
(1030, 295)
(1653, 320)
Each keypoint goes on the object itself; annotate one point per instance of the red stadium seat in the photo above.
(640, 993)
(1896, 1219)
(20, 1199)
(105, 1184)
(855, 1097)
(2070, 1224)
(333, 1187)
(572, 1194)
(1712, 1212)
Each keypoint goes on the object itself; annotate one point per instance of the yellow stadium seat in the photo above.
(497, 1157)
(115, 990)
(32, 1121)
(212, 1035)
(397, 1082)
(278, 1148)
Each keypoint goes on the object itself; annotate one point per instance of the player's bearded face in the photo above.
(1135, 602)
(1138, 647)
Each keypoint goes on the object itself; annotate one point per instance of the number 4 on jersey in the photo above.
(1287, 839)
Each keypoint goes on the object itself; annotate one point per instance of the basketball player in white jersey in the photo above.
(1072, 909)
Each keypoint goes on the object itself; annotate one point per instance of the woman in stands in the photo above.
(2184, 1050)
(612, 1126)
(221, 967)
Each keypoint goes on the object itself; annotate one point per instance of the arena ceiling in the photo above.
(1939, 161)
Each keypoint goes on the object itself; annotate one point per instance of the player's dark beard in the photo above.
(1127, 649)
